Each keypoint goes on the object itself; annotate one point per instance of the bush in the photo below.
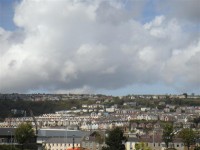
(8, 147)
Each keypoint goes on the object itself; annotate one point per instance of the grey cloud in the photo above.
(107, 13)
(182, 9)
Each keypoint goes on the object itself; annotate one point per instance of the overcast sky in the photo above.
(113, 47)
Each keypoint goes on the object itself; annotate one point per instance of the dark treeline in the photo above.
(38, 108)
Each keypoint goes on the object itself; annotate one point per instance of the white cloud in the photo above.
(183, 66)
(155, 23)
(84, 45)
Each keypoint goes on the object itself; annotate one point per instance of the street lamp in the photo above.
(66, 138)
(73, 142)
(123, 145)
(153, 138)
(10, 138)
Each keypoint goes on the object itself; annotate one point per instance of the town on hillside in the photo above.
(84, 121)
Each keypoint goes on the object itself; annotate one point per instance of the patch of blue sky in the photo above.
(157, 88)
(7, 14)
(40, 90)
(150, 11)
(192, 28)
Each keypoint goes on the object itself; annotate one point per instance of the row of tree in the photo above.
(116, 138)
(187, 135)
(40, 107)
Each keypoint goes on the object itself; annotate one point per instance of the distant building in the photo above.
(45, 134)
(7, 135)
(62, 143)
(89, 142)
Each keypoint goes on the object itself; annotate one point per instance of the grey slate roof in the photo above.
(61, 133)
(63, 140)
(7, 131)
(133, 139)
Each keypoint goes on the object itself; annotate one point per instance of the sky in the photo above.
(112, 47)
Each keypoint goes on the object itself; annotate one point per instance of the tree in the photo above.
(7, 147)
(142, 145)
(115, 139)
(24, 133)
(196, 121)
(97, 136)
(188, 137)
(168, 134)
(197, 148)
(185, 94)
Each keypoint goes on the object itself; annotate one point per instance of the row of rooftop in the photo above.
(109, 117)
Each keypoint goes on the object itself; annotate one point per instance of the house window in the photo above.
(154, 144)
(177, 145)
